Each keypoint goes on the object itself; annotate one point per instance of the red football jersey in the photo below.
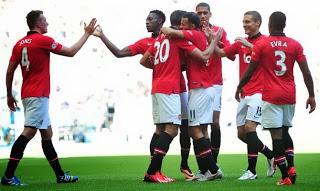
(141, 46)
(33, 54)
(215, 63)
(277, 55)
(197, 71)
(256, 82)
(167, 55)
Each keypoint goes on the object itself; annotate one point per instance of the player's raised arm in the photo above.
(119, 53)
(88, 30)
(174, 33)
(206, 54)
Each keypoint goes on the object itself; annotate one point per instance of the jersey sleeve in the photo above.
(51, 45)
(137, 47)
(232, 50)
(188, 35)
(14, 55)
(300, 57)
(186, 46)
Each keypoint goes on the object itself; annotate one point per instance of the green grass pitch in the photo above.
(126, 173)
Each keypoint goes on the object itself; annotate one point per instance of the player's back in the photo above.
(278, 55)
(33, 54)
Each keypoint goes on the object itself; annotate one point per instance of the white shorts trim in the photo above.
(36, 112)
(276, 116)
(166, 108)
(184, 105)
(249, 108)
(200, 106)
(217, 92)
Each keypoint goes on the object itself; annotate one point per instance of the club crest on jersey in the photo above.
(54, 45)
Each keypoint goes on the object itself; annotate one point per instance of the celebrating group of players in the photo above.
(266, 91)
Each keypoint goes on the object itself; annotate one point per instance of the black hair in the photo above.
(175, 17)
(160, 14)
(203, 4)
(32, 18)
(277, 21)
(193, 18)
(255, 14)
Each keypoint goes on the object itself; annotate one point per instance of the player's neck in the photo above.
(155, 34)
(32, 32)
(254, 35)
(277, 33)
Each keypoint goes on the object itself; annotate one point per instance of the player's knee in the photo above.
(29, 133)
(215, 125)
(172, 130)
(276, 133)
(242, 136)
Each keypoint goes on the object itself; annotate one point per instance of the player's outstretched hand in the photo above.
(217, 35)
(208, 32)
(98, 32)
(244, 42)
(312, 102)
(89, 29)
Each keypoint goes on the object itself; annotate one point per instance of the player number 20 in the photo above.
(280, 63)
(24, 60)
(162, 53)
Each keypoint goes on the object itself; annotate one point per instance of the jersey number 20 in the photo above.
(161, 55)
(24, 60)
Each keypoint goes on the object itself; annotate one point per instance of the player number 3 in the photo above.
(280, 62)
(162, 52)
(24, 60)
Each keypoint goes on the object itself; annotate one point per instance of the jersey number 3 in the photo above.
(24, 60)
(280, 63)
(162, 53)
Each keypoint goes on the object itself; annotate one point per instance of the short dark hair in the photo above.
(192, 18)
(175, 17)
(32, 18)
(160, 14)
(255, 14)
(277, 20)
(203, 4)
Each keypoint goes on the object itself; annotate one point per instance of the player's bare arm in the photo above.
(11, 102)
(244, 42)
(173, 33)
(88, 30)
(245, 78)
(309, 84)
(146, 60)
(206, 54)
(125, 52)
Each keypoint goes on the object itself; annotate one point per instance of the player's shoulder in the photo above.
(146, 40)
(294, 41)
